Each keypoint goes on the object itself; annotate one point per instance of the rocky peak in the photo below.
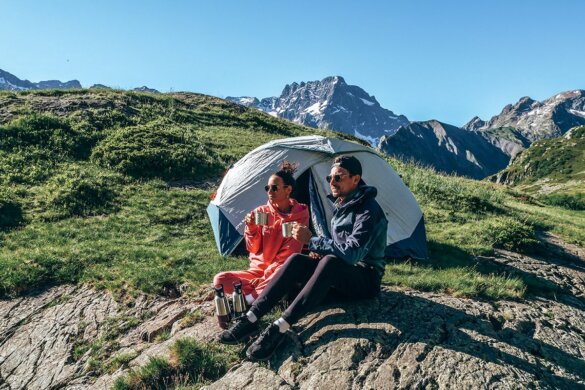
(332, 104)
(474, 124)
(526, 104)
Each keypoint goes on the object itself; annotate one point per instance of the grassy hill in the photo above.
(109, 188)
(552, 169)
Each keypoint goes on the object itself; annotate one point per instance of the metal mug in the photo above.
(287, 229)
(261, 218)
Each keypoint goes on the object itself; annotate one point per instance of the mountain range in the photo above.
(449, 149)
(9, 82)
(538, 120)
(479, 149)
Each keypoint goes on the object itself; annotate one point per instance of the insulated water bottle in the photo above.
(239, 302)
(222, 308)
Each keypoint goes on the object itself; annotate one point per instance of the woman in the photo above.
(266, 244)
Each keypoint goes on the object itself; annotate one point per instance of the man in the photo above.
(351, 262)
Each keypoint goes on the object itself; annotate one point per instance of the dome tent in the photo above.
(242, 190)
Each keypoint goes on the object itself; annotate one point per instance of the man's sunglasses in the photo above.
(272, 188)
(337, 178)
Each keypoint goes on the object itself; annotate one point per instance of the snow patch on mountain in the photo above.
(367, 102)
(371, 140)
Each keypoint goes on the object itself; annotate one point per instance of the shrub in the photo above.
(511, 234)
(82, 192)
(10, 210)
(25, 166)
(156, 152)
(566, 201)
(43, 131)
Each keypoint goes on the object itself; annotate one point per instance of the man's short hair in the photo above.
(352, 164)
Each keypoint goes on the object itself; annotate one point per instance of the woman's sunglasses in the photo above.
(337, 178)
(272, 188)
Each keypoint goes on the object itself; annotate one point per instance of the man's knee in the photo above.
(330, 262)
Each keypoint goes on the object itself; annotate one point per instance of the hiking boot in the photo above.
(265, 345)
(240, 331)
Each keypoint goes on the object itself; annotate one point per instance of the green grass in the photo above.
(466, 219)
(87, 196)
(160, 236)
(458, 281)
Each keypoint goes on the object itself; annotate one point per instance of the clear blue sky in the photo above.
(446, 60)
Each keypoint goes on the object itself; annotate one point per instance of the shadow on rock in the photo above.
(398, 318)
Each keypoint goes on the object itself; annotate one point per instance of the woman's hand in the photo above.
(255, 282)
(315, 256)
(250, 219)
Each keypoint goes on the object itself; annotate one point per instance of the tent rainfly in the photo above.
(242, 190)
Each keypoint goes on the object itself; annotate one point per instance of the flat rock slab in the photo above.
(249, 376)
(36, 351)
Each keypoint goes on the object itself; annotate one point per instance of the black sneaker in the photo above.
(265, 345)
(239, 332)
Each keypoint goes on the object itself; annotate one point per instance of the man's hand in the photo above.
(315, 256)
(301, 233)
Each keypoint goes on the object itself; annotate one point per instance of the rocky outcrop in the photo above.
(402, 339)
(55, 339)
(144, 88)
(330, 104)
(37, 335)
(474, 124)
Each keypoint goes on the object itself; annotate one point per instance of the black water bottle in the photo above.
(222, 308)
(239, 303)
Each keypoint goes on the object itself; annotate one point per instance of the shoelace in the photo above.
(267, 332)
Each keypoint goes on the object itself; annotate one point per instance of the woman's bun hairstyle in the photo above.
(286, 171)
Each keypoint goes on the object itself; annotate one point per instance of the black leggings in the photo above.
(317, 277)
